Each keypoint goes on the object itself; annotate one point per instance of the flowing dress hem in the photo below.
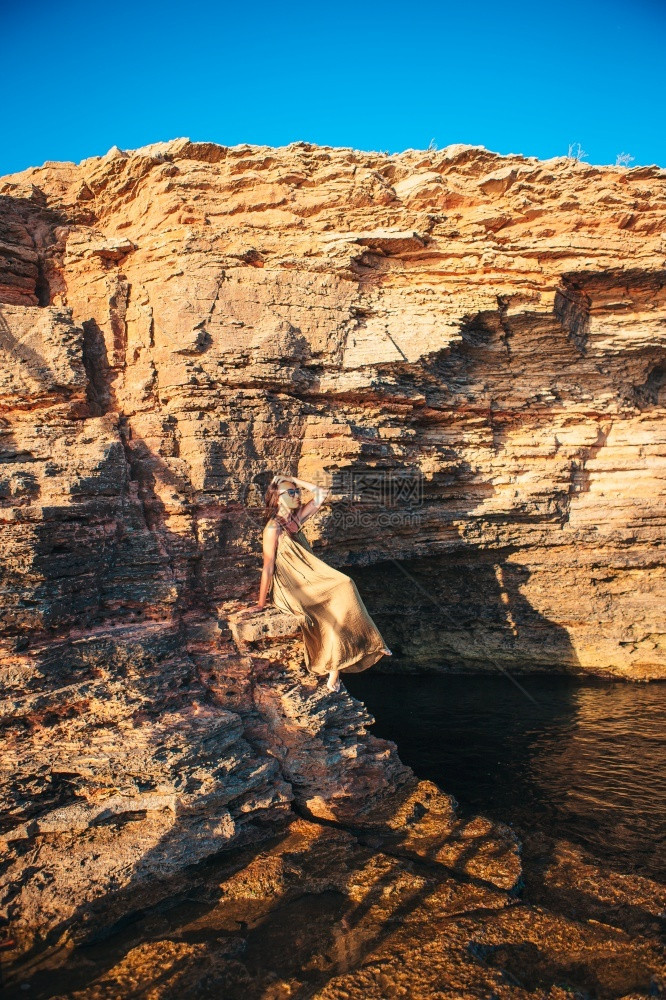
(363, 662)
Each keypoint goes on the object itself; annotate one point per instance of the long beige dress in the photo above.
(337, 629)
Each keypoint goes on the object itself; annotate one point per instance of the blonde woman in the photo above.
(338, 633)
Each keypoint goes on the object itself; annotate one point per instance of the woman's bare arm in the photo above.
(306, 510)
(270, 540)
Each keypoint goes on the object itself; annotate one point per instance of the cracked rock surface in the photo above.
(181, 321)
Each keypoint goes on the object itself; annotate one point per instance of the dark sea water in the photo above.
(582, 760)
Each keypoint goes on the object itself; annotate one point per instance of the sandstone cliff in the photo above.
(180, 321)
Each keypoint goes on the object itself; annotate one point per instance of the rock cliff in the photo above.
(470, 348)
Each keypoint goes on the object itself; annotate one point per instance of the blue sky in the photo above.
(515, 77)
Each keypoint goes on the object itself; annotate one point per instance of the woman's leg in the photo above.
(333, 682)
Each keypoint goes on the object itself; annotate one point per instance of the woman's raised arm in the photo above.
(306, 510)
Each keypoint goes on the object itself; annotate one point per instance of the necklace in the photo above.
(293, 530)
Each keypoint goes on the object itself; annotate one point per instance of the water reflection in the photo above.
(585, 762)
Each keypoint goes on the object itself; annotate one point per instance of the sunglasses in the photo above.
(292, 493)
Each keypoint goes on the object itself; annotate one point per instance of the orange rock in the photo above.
(180, 321)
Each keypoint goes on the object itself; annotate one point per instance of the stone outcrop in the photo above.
(421, 904)
(185, 317)
(470, 348)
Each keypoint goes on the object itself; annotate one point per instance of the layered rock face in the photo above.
(470, 348)
(182, 318)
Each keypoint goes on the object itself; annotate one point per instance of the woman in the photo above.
(338, 632)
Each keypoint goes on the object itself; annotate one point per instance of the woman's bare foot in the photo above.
(333, 682)
(386, 651)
